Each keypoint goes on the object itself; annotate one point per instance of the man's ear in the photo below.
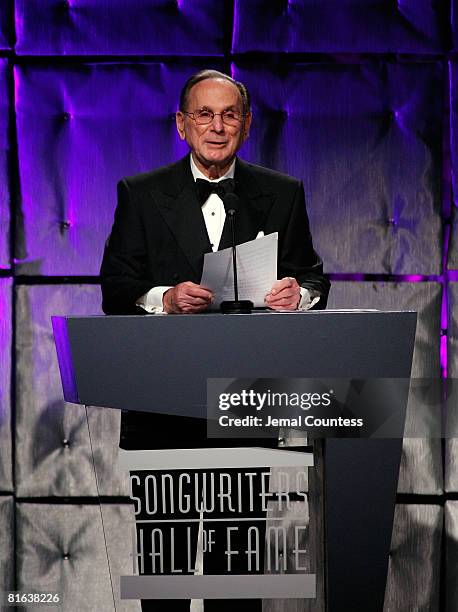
(179, 120)
(246, 125)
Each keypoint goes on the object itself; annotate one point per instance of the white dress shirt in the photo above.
(214, 217)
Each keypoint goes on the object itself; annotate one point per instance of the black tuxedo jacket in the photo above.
(159, 238)
(159, 235)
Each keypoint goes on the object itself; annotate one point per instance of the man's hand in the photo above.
(284, 295)
(186, 298)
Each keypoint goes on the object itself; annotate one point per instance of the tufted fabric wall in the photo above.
(358, 98)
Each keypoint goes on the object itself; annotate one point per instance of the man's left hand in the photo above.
(284, 295)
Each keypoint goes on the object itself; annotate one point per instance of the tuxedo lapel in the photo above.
(253, 209)
(176, 198)
(180, 209)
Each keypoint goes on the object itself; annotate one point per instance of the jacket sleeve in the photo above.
(123, 272)
(297, 257)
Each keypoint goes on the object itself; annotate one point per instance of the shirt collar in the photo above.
(197, 174)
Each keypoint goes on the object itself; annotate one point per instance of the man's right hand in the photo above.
(186, 298)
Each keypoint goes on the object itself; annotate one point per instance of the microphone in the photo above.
(231, 203)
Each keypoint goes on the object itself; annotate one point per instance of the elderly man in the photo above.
(167, 219)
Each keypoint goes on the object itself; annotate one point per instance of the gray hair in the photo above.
(203, 75)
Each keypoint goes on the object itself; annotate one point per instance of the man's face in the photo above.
(216, 143)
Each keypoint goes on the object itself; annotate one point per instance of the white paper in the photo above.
(256, 271)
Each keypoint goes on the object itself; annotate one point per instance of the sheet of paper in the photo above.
(256, 271)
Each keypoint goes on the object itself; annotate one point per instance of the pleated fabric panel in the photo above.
(54, 456)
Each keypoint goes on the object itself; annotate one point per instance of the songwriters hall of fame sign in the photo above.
(247, 523)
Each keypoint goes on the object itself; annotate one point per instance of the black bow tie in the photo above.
(206, 188)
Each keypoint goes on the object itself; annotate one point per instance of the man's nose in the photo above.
(217, 123)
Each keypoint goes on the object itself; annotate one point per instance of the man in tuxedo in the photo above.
(167, 219)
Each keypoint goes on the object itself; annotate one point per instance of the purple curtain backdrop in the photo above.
(358, 98)
(6, 21)
(356, 26)
(453, 80)
(366, 140)
(4, 175)
(117, 27)
(80, 130)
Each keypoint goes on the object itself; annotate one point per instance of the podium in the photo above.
(161, 364)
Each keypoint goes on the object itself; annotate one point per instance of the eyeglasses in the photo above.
(205, 116)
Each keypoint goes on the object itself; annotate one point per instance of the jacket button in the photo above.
(175, 276)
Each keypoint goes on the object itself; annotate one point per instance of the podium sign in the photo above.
(222, 522)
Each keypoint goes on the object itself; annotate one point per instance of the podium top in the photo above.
(161, 363)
